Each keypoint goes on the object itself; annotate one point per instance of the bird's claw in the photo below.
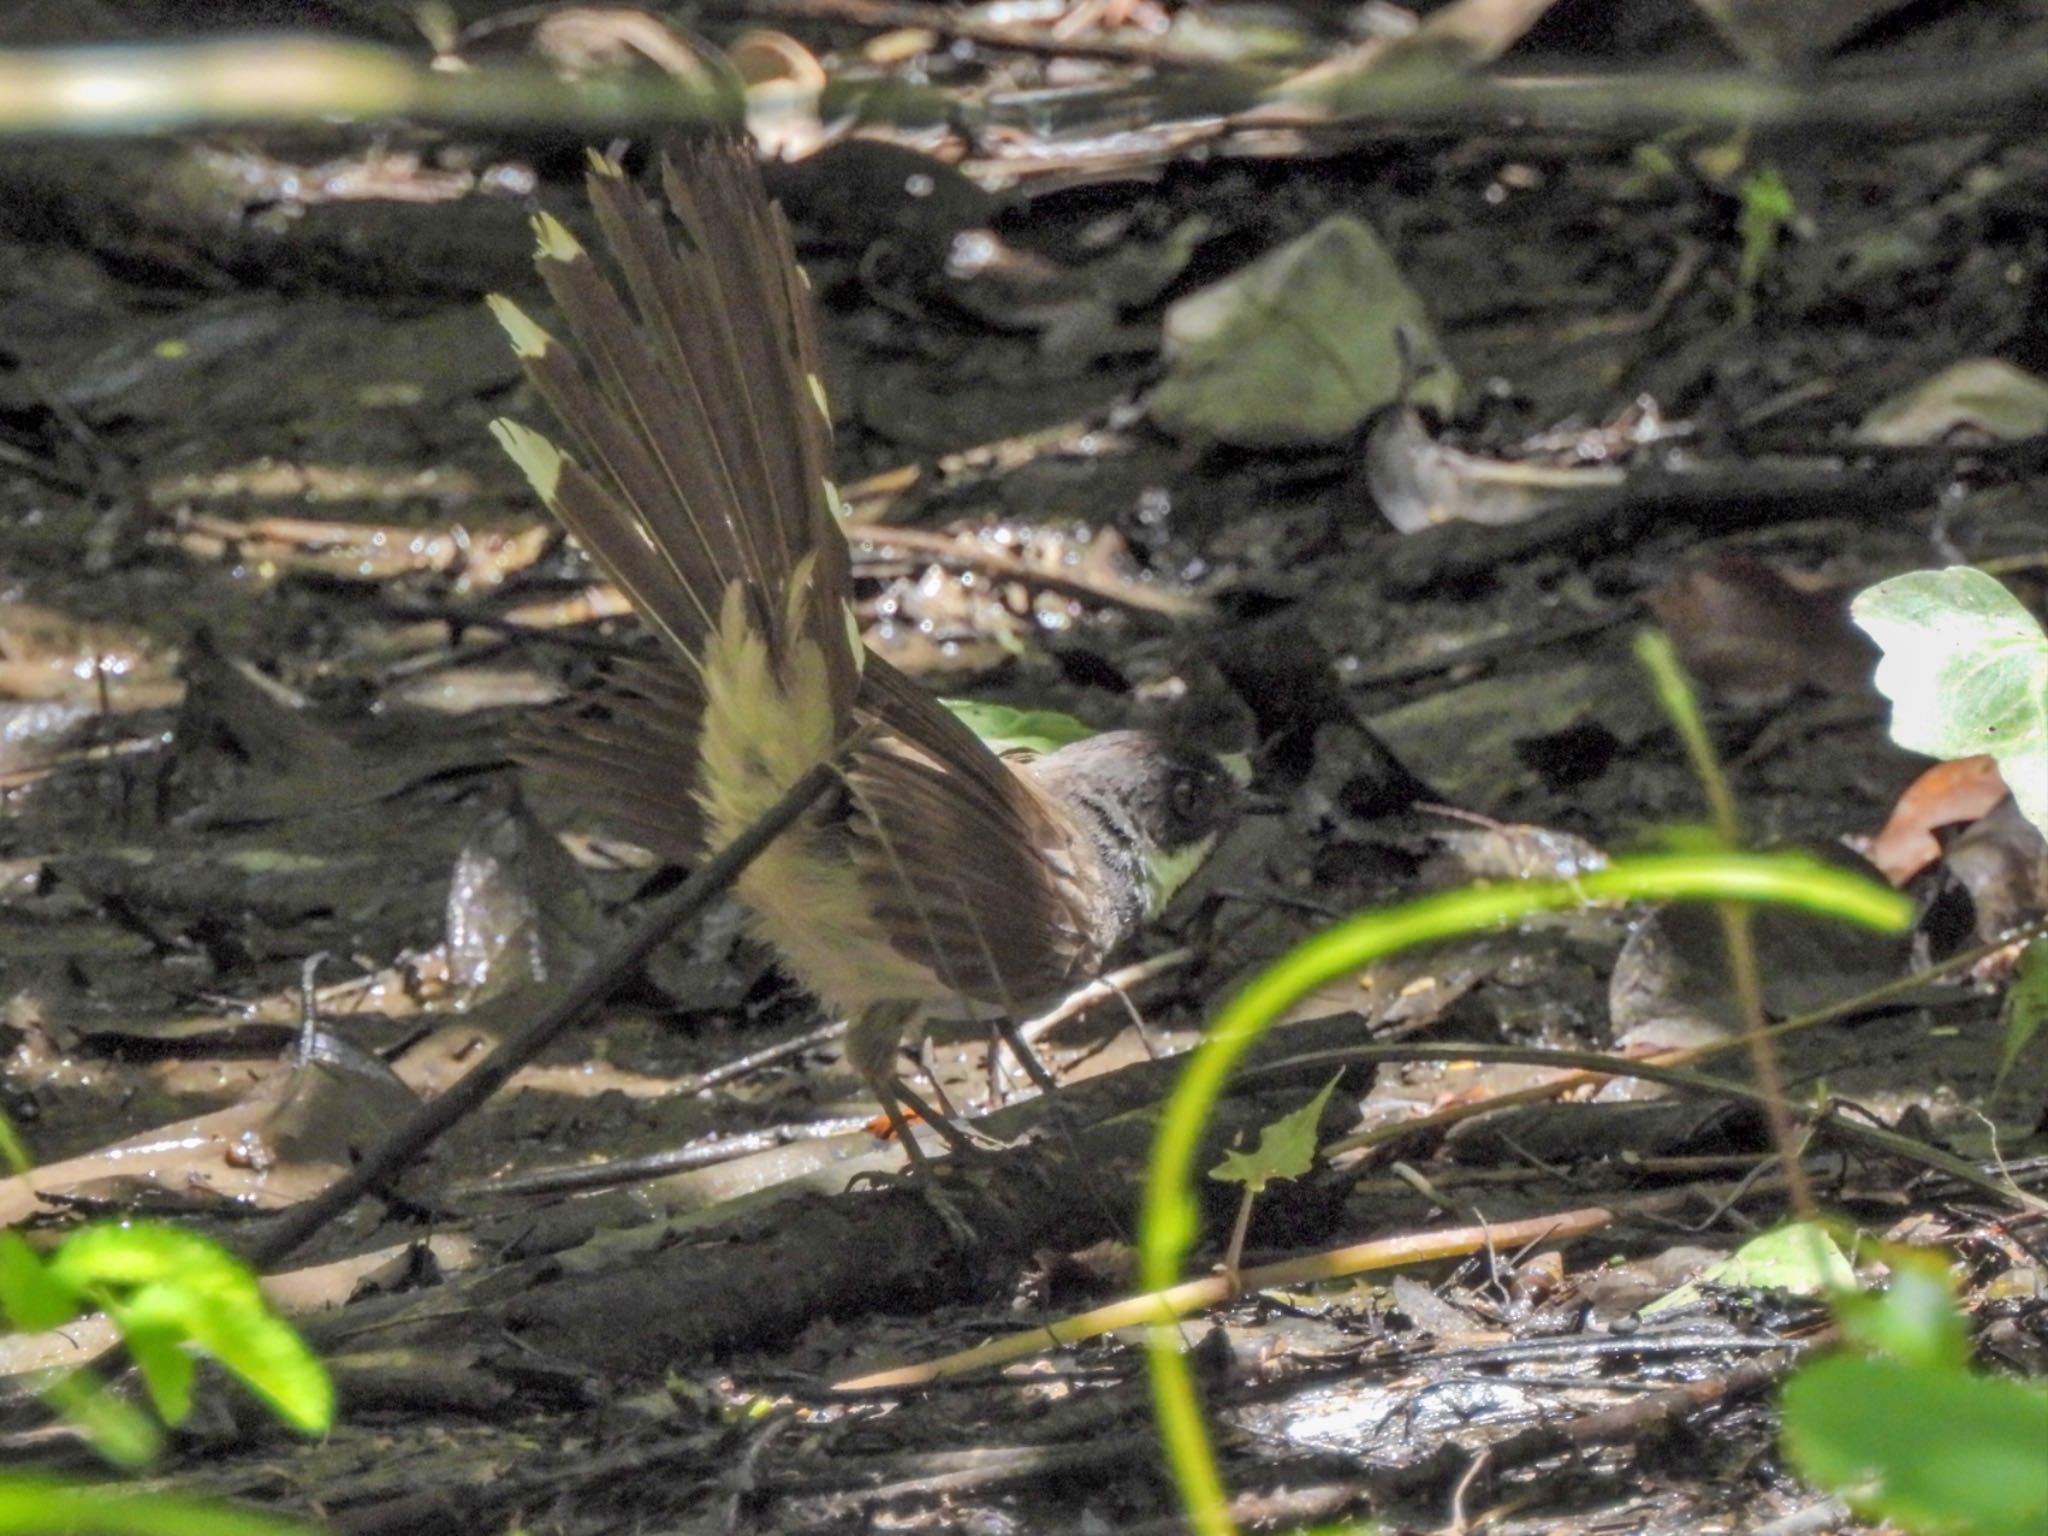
(935, 1190)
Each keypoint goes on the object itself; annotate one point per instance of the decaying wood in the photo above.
(640, 1301)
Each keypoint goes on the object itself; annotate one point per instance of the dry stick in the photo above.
(1572, 1081)
(1890, 1143)
(955, 554)
(1310, 1269)
(110, 91)
(591, 988)
(1674, 690)
(767, 1056)
(899, 15)
(655, 1165)
(1212, 1290)
(1101, 990)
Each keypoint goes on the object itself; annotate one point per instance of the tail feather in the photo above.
(719, 492)
(629, 752)
(689, 393)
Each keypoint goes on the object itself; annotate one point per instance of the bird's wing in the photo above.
(969, 870)
(627, 751)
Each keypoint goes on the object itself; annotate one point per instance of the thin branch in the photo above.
(118, 91)
(592, 987)
(944, 21)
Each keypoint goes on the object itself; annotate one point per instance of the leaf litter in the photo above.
(291, 791)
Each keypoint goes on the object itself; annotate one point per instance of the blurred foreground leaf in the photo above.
(1907, 1433)
(1966, 669)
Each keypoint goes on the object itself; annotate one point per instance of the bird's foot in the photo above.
(942, 1190)
(964, 1143)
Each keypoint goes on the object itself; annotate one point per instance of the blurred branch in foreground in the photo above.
(146, 89)
(124, 90)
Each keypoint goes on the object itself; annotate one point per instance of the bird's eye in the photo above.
(1186, 796)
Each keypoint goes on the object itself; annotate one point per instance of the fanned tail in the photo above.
(695, 474)
(696, 462)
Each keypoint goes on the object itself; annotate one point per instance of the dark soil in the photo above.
(228, 747)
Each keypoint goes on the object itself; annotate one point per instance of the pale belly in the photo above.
(810, 906)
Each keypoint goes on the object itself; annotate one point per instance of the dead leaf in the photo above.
(1978, 399)
(1948, 794)
(1750, 635)
(1301, 346)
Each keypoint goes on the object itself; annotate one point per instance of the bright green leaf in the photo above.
(259, 1348)
(31, 1298)
(1767, 211)
(1286, 1149)
(273, 1361)
(1003, 729)
(166, 1369)
(2026, 1005)
(1966, 669)
(34, 1506)
(172, 1285)
(113, 1426)
(1932, 1449)
(1914, 1318)
(1802, 1259)
(130, 1254)
(13, 1150)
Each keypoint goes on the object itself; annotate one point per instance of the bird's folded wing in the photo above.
(969, 871)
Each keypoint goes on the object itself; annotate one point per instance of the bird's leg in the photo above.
(960, 1141)
(873, 1037)
(1027, 1058)
(885, 1087)
(894, 1094)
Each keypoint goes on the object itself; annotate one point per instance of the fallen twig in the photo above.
(595, 984)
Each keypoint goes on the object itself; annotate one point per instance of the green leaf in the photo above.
(1767, 210)
(166, 1369)
(2026, 1006)
(1802, 1258)
(1966, 669)
(13, 1150)
(1003, 729)
(272, 1360)
(113, 1426)
(1930, 1448)
(1286, 1149)
(1302, 346)
(30, 1296)
(259, 1348)
(174, 1286)
(35, 1506)
(1914, 1318)
(130, 1254)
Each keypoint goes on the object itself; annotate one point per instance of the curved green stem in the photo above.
(1169, 1221)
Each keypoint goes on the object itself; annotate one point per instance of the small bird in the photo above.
(940, 880)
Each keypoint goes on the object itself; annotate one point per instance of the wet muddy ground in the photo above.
(269, 598)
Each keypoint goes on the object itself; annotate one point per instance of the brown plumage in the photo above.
(946, 880)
